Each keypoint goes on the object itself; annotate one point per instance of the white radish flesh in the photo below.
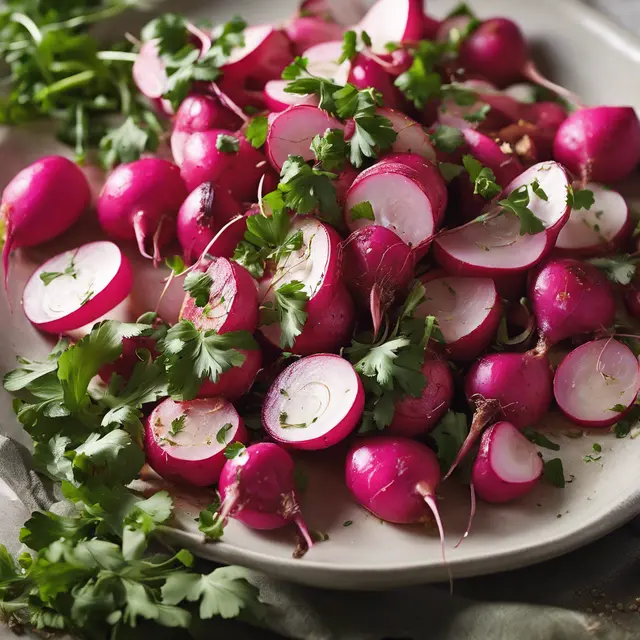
(412, 138)
(277, 99)
(323, 61)
(392, 21)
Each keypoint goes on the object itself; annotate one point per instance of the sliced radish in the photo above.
(598, 230)
(77, 287)
(314, 403)
(307, 31)
(412, 138)
(507, 466)
(185, 441)
(277, 99)
(483, 148)
(468, 311)
(597, 383)
(392, 21)
(323, 61)
(149, 71)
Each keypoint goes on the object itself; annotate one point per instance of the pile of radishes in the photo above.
(441, 234)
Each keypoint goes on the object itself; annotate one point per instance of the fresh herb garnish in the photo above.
(362, 211)
(227, 143)
(331, 150)
(257, 131)
(482, 178)
(517, 202)
(553, 472)
(49, 276)
(620, 269)
(289, 310)
(177, 425)
(579, 198)
(221, 436)
(198, 285)
(233, 450)
(541, 440)
(447, 139)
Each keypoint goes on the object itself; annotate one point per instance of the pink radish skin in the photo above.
(307, 31)
(392, 21)
(507, 466)
(597, 383)
(277, 99)
(103, 279)
(232, 300)
(366, 73)
(239, 172)
(546, 115)
(314, 403)
(235, 382)
(139, 201)
(343, 182)
(257, 488)
(413, 417)
(194, 455)
(128, 359)
(570, 298)
(291, 132)
(41, 202)
(506, 167)
(205, 211)
(599, 143)
(468, 311)
(411, 137)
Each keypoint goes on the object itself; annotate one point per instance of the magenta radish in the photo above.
(139, 201)
(77, 287)
(41, 202)
(306, 31)
(597, 383)
(330, 310)
(506, 167)
(185, 441)
(507, 466)
(257, 488)
(314, 403)
(599, 143)
(570, 298)
(411, 137)
(238, 171)
(392, 21)
(413, 417)
(343, 182)
(468, 311)
(277, 99)
(149, 72)
(365, 73)
(430, 27)
(291, 132)
(547, 115)
(376, 265)
(235, 382)
(232, 305)
(205, 211)
(632, 298)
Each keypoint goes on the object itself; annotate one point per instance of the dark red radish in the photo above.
(205, 211)
(77, 287)
(413, 417)
(233, 300)
(235, 382)
(392, 21)
(199, 112)
(506, 167)
(330, 310)
(291, 132)
(376, 265)
(257, 488)
(570, 298)
(140, 201)
(185, 441)
(41, 202)
(601, 144)
(277, 99)
(507, 466)
(314, 403)
(599, 230)
(632, 298)
(149, 71)
(238, 171)
(411, 137)
(430, 27)
(468, 311)
(511, 286)
(343, 182)
(306, 31)
(365, 73)
(597, 383)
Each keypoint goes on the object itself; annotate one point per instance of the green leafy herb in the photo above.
(591, 458)
(447, 139)
(449, 171)
(349, 46)
(126, 143)
(553, 472)
(421, 82)
(177, 425)
(538, 190)
(362, 211)
(331, 150)
(233, 450)
(449, 436)
(198, 285)
(289, 309)
(49, 276)
(210, 523)
(176, 264)
(597, 447)
(221, 436)
(618, 408)
(541, 440)
(482, 178)
(257, 131)
(517, 202)
(580, 198)
(479, 115)
(620, 269)
(227, 143)
(347, 523)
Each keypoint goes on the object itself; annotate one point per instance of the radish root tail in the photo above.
(472, 513)
(530, 71)
(302, 528)
(141, 234)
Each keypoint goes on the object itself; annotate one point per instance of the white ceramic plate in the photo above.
(601, 63)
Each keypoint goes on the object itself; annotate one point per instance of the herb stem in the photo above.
(87, 18)
(29, 25)
(119, 56)
(65, 84)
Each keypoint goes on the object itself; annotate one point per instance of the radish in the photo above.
(632, 298)
(430, 27)
(232, 304)
(343, 182)
(597, 383)
(413, 417)
(392, 21)
(506, 167)
(547, 115)
(307, 31)
(41, 202)
(570, 298)
(139, 201)
(291, 132)
(314, 403)
(323, 61)
(238, 171)
(411, 138)
(277, 99)
(235, 382)
(507, 466)
(365, 73)
(257, 488)
(330, 311)
(185, 441)
(77, 287)
(468, 311)
(599, 143)
(205, 211)
(376, 265)
(128, 359)
(149, 71)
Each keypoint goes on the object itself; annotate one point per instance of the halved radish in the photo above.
(314, 403)
(597, 383)
(468, 311)
(323, 61)
(307, 31)
(598, 230)
(507, 466)
(149, 72)
(291, 132)
(185, 441)
(77, 287)
(277, 99)
(412, 138)
(392, 21)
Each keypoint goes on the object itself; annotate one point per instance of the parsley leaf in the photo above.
(421, 82)
(227, 143)
(198, 285)
(48, 277)
(221, 436)
(362, 211)
(177, 425)
(289, 309)
(449, 171)
(553, 472)
(130, 140)
(620, 269)
(449, 435)
(482, 178)
(447, 139)
(517, 202)
(540, 439)
(538, 190)
(257, 131)
(580, 198)
(349, 46)
(331, 150)
(234, 449)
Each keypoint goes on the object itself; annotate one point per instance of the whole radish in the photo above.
(139, 201)
(599, 143)
(307, 31)
(235, 382)
(257, 488)
(569, 298)
(366, 73)
(41, 202)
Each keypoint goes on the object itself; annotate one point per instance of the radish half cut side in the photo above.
(185, 441)
(93, 280)
(392, 21)
(598, 230)
(314, 403)
(277, 99)
(468, 311)
(412, 138)
(323, 61)
(597, 383)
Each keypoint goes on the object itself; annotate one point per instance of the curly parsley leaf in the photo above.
(257, 131)
(331, 150)
(289, 309)
(482, 178)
